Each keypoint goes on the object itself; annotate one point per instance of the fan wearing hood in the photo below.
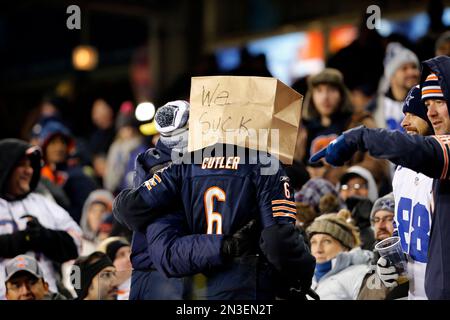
(357, 189)
(31, 223)
(96, 209)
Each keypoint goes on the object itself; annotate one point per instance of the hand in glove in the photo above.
(57, 245)
(387, 273)
(336, 153)
(244, 242)
(35, 231)
(300, 293)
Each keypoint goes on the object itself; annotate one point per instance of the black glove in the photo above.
(57, 245)
(285, 248)
(243, 242)
(300, 293)
(14, 244)
(35, 231)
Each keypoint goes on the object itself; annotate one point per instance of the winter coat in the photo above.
(64, 234)
(343, 281)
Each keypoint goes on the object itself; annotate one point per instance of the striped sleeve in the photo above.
(275, 198)
(444, 143)
(284, 208)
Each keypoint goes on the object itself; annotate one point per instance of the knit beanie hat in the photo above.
(414, 104)
(336, 225)
(114, 246)
(171, 121)
(431, 88)
(313, 190)
(89, 266)
(384, 203)
(396, 56)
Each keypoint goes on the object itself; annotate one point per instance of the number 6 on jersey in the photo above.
(211, 216)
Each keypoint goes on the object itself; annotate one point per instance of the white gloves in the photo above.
(387, 273)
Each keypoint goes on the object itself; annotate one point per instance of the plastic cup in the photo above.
(391, 250)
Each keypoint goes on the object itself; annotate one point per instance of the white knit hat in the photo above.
(171, 121)
(396, 56)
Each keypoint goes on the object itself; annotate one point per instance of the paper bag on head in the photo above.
(253, 112)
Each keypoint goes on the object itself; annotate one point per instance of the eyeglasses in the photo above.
(377, 220)
(107, 275)
(355, 186)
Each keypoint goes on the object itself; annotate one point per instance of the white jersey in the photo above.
(389, 113)
(413, 206)
(50, 215)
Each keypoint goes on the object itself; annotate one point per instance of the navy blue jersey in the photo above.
(220, 191)
(219, 194)
(428, 155)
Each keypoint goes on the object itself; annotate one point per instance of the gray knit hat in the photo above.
(336, 225)
(396, 56)
(171, 121)
(384, 203)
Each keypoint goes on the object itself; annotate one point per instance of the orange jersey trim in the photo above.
(278, 208)
(292, 203)
(444, 151)
(290, 215)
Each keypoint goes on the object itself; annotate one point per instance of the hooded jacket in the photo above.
(437, 275)
(11, 151)
(57, 235)
(98, 195)
(366, 175)
(89, 241)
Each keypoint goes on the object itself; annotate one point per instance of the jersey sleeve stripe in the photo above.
(279, 208)
(445, 154)
(292, 203)
(290, 215)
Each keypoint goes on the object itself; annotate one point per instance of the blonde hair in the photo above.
(339, 226)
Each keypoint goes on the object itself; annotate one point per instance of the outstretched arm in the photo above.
(428, 155)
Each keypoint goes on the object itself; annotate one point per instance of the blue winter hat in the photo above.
(414, 104)
(52, 128)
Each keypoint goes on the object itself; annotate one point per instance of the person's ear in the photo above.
(92, 291)
(45, 285)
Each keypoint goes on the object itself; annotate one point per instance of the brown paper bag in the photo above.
(253, 112)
